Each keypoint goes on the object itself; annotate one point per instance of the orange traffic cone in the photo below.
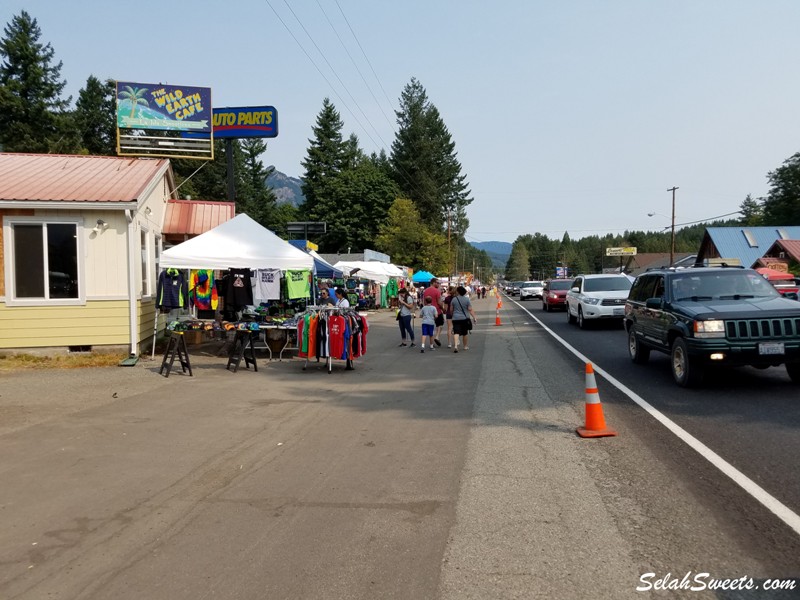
(497, 322)
(595, 421)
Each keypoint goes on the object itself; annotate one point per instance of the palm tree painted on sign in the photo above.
(135, 97)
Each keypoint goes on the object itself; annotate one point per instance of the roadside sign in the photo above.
(628, 251)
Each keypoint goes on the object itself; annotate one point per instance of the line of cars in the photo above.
(701, 317)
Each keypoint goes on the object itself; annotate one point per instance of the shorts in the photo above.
(460, 326)
(427, 329)
(439, 320)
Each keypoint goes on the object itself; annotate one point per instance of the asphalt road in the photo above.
(751, 417)
(433, 475)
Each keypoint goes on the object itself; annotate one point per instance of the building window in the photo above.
(44, 261)
(145, 253)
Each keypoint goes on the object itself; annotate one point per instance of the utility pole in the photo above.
(672, 243)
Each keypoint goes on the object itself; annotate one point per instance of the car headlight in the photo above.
(554, 296)
(592, 300)
(709, 329)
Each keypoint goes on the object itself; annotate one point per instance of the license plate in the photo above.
(771, 348)
(619, 312)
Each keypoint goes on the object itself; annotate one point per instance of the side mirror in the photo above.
(576, 290)
(791, 295)
(654, 303)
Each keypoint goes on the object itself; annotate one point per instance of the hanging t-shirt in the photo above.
(267, 285)
(391, 288)
(298, 284)
(240, 291)
(336, 328)
(202, 290)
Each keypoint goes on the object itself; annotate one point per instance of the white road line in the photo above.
(783, 512)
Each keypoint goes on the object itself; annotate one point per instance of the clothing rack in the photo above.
(328, 311)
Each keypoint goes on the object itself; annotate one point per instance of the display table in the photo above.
(287, 335)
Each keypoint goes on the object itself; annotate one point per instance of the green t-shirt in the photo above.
(298, 284)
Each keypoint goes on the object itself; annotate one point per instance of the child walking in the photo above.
(428, 314)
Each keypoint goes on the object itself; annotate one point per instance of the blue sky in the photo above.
(568, 116)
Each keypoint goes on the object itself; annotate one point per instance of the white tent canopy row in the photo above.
(238, 243)
(376, 271)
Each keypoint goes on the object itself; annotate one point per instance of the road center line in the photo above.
(783, 512)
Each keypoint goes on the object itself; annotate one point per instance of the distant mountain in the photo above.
(286, 188)
(497, 251)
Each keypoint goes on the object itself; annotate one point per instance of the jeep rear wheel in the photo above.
(685, 370)
(639, 354)
(793, 369)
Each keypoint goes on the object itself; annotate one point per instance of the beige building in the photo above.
(80, 240)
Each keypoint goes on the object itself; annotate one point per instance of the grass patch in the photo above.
(68, 361)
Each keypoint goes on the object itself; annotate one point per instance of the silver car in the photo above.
(531, 290)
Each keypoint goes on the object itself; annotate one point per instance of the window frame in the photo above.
(9, 222)
(146, 263)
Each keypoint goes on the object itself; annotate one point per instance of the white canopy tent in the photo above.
(376, 271)
(238, 243)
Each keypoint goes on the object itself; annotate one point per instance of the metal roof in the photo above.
(193, 217)
(732, 242)
(71, 178)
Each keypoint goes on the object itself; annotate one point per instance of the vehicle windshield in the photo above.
(528, 284)
(561, 284)
(607, 284)
(725, 285)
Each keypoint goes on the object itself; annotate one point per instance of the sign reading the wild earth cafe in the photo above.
(166, 107)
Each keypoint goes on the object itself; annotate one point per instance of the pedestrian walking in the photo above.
(448, 315)
(463, 317)
(428, 315)
(435, 295)
(404, 316)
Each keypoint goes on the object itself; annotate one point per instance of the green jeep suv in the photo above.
(703, 316)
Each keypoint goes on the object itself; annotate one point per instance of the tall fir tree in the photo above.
(425, 162)
(95, 117)
(255, 198)
(325, 159)
(33, 115)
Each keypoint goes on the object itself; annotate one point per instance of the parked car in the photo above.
(554, 294)
(595, 297)
(530, 290)
(712, 316)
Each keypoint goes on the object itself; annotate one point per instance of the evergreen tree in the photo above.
(33, 116)
(752, 212)
(255, 198)
(425, 162)
(517, 268)
(782, 204)
(325, 159)
(95, 117)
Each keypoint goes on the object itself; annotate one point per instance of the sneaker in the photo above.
(403, 344)
(456, 350)
(412, 344)
(437, 342)
(466, 347)
(422, 351)
(449, 345)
